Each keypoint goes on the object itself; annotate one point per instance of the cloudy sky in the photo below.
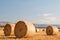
(36, 11)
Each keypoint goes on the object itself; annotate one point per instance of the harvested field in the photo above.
(41, 35)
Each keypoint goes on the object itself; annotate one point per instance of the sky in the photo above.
(35, 11)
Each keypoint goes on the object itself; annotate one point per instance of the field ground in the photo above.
(41, 35)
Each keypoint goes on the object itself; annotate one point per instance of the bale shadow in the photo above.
(11, 37)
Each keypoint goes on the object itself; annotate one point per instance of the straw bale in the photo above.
(51, 30)
(24, 29)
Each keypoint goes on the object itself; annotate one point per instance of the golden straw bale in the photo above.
(51, 30)
(24, 29)
(37, 30)
(9, 29)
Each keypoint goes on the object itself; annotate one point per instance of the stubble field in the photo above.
(41, 35)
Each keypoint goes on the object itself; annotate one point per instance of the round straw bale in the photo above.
(37, 30)
(9, 29)
(44, 29)
(51, 30)
(59, 30)
(24, 29)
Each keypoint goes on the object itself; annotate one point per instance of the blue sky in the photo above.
(36, 11)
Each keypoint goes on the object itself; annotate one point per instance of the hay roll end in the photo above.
(9, 29)
(24, 29)
(51, 30)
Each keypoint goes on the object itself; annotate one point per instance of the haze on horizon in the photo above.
(35, 11)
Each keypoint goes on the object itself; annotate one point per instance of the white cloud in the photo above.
(53, 19)
(44, 21)
(46, 14)
(48, 18)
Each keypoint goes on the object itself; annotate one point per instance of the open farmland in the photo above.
(41, 35)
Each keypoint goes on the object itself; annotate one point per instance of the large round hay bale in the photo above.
(51, 30)
(9, 29)
(24, 29)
